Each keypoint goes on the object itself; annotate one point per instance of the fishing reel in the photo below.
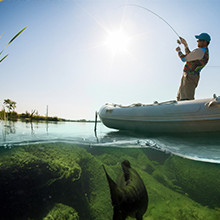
(178, 41)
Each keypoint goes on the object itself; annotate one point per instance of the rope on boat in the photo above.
(214, 102)
(140, 104)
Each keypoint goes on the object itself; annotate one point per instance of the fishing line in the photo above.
(155, 15)
(165, 22)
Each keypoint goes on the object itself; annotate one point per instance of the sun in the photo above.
(118, 42)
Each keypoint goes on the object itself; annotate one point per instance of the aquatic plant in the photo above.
(36, 178)
(201, 181)
(61, 212)
(165, 202)
(51, 174)
(10, 43)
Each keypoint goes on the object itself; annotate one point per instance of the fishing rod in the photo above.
(158, 17)
(179, 40)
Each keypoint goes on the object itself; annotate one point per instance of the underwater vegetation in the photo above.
(60, 212)
(35, 178)
(64, 181)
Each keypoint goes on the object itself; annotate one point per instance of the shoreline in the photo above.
(49, 120)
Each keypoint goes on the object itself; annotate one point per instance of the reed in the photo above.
(1, 59)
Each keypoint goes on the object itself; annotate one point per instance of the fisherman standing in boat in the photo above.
(194, 62)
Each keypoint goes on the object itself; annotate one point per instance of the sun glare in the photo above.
(118, 42)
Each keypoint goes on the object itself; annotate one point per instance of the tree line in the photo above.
(8, 113)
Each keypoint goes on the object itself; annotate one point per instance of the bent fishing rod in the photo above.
(146, 9)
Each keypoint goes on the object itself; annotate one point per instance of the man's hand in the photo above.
(183, 41)
(178, 49)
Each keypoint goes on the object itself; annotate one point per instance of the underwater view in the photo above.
(64, 170)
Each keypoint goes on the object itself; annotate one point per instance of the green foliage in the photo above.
(31, 117)
(82, 120)
(62, 212)
(2, 114)
(3, 58)
(9, 104)
(10, 43)
(25, 115)
(16, 36)
(12, 115)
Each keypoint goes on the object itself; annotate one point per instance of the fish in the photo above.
(128, 194)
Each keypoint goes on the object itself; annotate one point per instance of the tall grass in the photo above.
(1, 59)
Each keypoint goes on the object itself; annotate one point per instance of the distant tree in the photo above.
(2, 114)
(9, 104)
(32, 114)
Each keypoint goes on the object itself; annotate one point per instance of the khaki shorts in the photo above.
(187, 87)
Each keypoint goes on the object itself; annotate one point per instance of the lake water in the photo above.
(54, 171)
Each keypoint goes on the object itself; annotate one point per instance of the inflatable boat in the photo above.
(167, 117)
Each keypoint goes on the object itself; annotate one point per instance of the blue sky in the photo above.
(62, 60)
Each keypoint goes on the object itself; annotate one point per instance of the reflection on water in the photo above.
(8, 127)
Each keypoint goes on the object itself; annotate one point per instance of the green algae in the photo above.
(62, 212)
(36, 178)
(51, 173)
(200, 181)
(166, 199)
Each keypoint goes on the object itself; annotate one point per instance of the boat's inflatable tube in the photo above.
(168, 117)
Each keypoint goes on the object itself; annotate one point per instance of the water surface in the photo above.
(201, 147)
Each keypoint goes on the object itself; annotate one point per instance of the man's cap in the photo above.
(203, 36)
